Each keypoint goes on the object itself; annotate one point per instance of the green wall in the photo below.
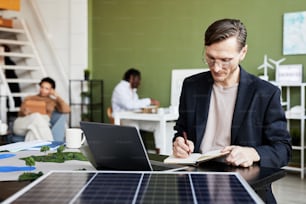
(160, 35)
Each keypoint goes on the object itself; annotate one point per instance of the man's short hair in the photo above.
(131, 72)
(225, 28)
(48, 80)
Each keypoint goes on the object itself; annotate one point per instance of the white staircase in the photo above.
(28, 68)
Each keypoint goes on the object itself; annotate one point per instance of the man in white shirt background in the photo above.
(125, 98)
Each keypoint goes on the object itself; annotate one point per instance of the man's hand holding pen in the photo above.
(182, 147)
(236, 155)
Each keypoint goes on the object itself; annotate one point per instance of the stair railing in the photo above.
(36, 12)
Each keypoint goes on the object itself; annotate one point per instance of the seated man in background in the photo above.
(35, 113)
(125, 98)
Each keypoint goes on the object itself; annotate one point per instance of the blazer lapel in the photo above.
(202, 107)
(244, 97)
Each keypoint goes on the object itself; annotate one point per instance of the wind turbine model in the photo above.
(277, 63)
(265, 66)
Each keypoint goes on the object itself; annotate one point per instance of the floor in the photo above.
(290, 189)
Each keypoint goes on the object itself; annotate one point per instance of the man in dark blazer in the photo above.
(229, 109)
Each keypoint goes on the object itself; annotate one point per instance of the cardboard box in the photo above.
(6, 22)
(10, 4)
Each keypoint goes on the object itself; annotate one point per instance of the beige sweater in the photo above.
(219, 121)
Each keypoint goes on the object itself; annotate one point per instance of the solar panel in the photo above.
(137, 187)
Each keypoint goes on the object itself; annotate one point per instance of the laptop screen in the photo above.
(116, 147)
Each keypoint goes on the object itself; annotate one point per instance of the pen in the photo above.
(185, 139)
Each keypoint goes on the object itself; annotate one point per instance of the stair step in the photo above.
(19, 67)
(14, 54)
(30, 81)
(14, 42)
(23, 94)
(17, 38)
(12, 30)
(15, 109)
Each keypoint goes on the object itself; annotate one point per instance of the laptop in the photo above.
(115, 147)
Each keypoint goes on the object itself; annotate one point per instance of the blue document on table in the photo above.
(19, 146)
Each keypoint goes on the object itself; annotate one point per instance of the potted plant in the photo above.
(86, 74)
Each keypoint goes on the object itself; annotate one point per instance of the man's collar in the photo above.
(126, 83)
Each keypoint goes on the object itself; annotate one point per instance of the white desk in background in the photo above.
(161, 118)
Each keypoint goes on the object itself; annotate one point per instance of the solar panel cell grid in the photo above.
(115, 188)
(138, 187)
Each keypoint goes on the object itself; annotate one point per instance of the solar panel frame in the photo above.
(135, 187)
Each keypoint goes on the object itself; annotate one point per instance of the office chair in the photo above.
(109, 112)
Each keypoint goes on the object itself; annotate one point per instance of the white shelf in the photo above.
(297, 148)
(295, 117)
(290, 168)
(297, 114)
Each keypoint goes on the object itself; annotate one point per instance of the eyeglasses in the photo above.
(224, 63)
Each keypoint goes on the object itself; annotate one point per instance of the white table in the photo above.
(44, 167)
(161, 118)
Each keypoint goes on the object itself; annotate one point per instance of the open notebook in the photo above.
(195, 158)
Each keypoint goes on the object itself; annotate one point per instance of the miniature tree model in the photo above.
(30, 161)
(44, 149)
(28, 176)
(60, 149)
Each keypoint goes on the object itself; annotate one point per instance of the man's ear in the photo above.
(243, 51)
(131, 78)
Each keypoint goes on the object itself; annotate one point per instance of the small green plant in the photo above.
(60, 149)
(44, 149)
(86, 74)
(28, 176)
(58, 157)
(30, 161)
